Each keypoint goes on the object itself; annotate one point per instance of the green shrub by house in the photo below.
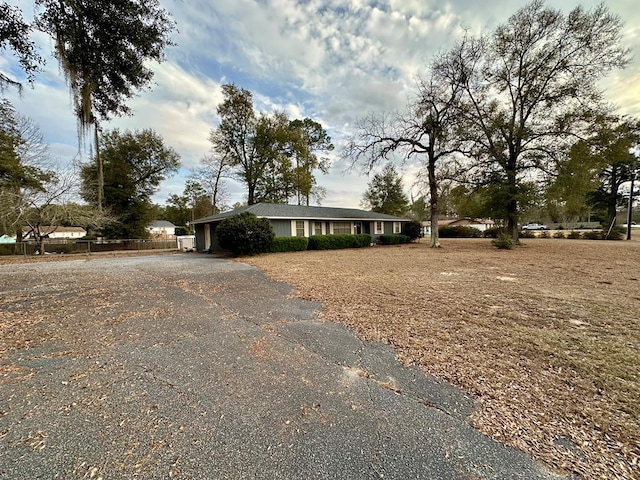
(493, 232)
(289, 244)
(333, 242)
(245, 234)
(459, 231)
(412, 229)
(393, 239)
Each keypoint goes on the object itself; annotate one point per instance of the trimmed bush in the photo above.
(334, 242)
(493, 232)
(617, 233)
(245, 234)
(526, 234)
(393, 239)
(503, 242)
(574, 235)
(412, 229)
(544, 234)
(289, 244)
(459, 231)
(592, 235)
(558, 235)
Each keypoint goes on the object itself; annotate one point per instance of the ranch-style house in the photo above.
(300, 220)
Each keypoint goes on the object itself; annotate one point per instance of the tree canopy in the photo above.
(530, 89)
(135, 163)
(385, 193)
(273, 156)
(14, 37)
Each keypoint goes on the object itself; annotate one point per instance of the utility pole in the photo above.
(630, 208)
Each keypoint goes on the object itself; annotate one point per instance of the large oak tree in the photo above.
(530, 88)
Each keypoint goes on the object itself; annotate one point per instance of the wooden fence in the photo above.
(85, 246)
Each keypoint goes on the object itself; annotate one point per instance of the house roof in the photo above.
(282, 211)
(162, 224)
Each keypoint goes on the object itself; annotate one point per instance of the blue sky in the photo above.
(333, 61)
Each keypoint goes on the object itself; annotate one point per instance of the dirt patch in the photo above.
(546, 336)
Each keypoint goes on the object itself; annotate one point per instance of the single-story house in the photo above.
(303, 221)
(480, 223)
(54, 231)
(162, 229)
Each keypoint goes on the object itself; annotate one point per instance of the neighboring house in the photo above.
(162, 229)
(7, 239)
(480, 224)
(303, 221)
(53, 231)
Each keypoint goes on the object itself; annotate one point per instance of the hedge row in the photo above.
(289, 244)
(459, 231)
(393, 239)
(332, 242)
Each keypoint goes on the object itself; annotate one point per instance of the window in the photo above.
(317, 228)
(379, 229)
(396, 227)
(300, 228)
(341, 227)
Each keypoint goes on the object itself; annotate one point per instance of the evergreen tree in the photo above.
(385, 193)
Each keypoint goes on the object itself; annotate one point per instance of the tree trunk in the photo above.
(100, 192)
(433, 204)
(512, 206)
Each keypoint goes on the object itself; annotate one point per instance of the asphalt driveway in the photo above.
(190, 366)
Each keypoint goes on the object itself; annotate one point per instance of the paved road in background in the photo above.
(194, 367)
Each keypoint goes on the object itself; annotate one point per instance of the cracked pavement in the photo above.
(191, 366)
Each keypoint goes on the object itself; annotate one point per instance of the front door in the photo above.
(358, 228)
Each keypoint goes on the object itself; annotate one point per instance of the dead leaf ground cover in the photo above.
(546, 336)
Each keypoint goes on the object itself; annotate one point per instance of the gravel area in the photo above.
(546, 337)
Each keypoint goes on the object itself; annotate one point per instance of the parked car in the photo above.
(535, 226)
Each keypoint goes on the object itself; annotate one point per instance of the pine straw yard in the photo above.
(546, 336)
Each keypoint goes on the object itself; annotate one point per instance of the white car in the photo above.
(535, 226)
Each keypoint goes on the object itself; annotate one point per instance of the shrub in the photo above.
(393, 239)
(459, 231)
(592, 235)
(526, 234)
(560, 227)
(289, 244)
(245, 234)
(574, 235)
(558, 235)
(493, 232)
(412, 229)
(503, 241)
(616, 233)
(544, 234)
(332, 242)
